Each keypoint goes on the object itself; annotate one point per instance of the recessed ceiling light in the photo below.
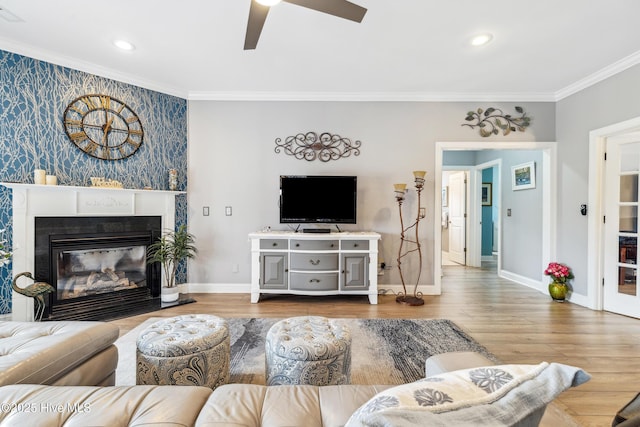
(124, 45)
(481, 39)
(268, 2)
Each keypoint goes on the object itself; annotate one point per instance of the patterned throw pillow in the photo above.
(527, 387)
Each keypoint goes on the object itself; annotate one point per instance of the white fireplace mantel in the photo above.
(31, 201)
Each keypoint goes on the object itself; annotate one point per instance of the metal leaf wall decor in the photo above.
(311, 146)
(492, 121)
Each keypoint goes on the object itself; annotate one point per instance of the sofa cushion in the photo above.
(40, 353)
(503, 395)
(252, 405)
(41, 405)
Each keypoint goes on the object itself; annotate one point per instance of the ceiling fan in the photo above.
(260, 9)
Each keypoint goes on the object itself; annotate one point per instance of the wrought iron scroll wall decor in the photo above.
(324, 147)
(493, 120)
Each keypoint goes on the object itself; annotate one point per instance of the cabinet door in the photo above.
(273, 274)
(354, 269)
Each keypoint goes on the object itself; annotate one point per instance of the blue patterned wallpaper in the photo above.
(33, 97)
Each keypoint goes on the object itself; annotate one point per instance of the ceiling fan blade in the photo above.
(257, 15)
(340, 8)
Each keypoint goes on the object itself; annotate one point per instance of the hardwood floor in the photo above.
(517, 324)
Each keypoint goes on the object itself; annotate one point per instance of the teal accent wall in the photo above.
(33, 97)
(487, 217)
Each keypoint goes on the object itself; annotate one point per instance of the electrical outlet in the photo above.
(227, 210)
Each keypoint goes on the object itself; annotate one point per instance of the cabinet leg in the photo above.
(373, 298)
(255, 297)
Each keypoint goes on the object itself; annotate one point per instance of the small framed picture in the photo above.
(523, 176)
(445, 197)
(486, 195)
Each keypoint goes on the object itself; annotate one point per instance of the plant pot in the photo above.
(183, 288)
(558, 291)
(169, 294)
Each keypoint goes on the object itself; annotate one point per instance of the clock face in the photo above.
(103, 127)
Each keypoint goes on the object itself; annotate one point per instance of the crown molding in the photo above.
(87, 67)
(373, 96)
(598, 76)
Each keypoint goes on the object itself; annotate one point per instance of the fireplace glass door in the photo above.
(82, 273)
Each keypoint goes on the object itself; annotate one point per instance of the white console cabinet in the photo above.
(286, 262)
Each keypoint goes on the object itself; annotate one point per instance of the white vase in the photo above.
(183, 288)
(169, 294)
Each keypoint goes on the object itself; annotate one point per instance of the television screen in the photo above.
(321, 199)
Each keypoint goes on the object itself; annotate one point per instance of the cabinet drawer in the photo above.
(355, 245)
(314, 281)
(315, 245)
(305, 261)
(273, 244)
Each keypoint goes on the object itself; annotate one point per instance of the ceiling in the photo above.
(542, 50)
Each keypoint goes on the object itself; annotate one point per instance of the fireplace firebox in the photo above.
(97, 266)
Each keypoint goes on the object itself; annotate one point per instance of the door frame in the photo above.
(549, 206)
(595, 233)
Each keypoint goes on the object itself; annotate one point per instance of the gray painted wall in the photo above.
(522, 231)
(232, 163)
(611, 101)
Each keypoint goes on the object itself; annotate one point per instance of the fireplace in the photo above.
(97, 266)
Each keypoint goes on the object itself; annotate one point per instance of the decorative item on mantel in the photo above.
(560, 274)
(493, 120)
(105, 183)
(400, 190)
(39, 176)
(309, 146)
(173, 179)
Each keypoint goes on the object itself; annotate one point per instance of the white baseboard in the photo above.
(526, 281)
(543, 287)
(395, 289)
(220, 288)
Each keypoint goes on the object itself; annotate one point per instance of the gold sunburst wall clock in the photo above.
(103, 127)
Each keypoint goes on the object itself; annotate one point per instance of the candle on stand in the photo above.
(51, 180)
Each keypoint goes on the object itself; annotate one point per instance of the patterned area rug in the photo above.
(383, 351)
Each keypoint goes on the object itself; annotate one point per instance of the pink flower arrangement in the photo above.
(560, 273)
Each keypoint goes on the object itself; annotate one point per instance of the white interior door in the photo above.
(621, 225)
(457, 217)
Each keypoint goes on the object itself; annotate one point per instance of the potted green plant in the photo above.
(171, 248)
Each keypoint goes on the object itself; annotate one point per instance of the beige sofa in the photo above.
(229, 405)
(58, 353)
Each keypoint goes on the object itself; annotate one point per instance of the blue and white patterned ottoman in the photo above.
(308, 350)
(184, 350)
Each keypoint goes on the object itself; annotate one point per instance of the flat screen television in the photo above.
(318, 199)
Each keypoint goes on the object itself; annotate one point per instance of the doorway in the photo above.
(614, 161)
(454, 217)
(548, 184)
